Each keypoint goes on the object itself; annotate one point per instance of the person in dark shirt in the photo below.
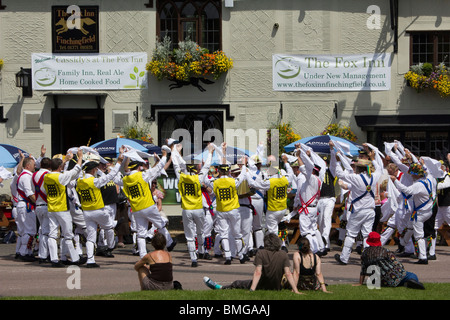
(155, 268)
(271, 264)
(391, 271)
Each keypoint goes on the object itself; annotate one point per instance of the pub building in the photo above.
(76, 74)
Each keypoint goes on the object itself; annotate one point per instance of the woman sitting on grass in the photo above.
(155, 268)
(308, 268)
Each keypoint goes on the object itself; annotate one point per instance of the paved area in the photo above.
(18, 278)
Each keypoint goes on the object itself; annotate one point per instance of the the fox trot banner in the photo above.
(89, 71)
(362, 72)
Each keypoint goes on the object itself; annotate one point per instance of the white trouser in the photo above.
(246, 226)
(111, 210)
(230, 223)
(42, 215)
(19, 228)
(93, 219)
(28, 226)
(193, 222)
(273, 218)
(61, 220)
(258, 204)
(443, 215)
(361, 220)
(209, 223)
(415, 227)
(325, 206)
(308, 228)
(142, 218)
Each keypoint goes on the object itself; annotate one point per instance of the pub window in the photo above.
(170, 121)
(431, 143)
(431, 47)
(197, 20)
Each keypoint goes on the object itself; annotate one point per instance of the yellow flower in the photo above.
(1, 63)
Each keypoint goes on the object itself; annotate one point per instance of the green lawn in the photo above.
(434, 291)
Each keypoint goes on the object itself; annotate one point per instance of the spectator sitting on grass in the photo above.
(392, 272)
(155, 268)
(271, 264)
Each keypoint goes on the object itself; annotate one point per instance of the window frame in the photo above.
(435, 34)
(161, 4)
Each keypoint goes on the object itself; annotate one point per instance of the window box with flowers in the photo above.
(189, 64)
(134, 131)
(424, 76)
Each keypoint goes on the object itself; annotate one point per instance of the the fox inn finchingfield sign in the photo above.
(75, 29)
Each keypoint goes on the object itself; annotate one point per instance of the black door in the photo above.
(76, 127)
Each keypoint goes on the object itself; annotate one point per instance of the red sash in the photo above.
(38, 186)
(305, 205)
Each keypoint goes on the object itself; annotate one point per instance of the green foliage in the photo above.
(337, 130)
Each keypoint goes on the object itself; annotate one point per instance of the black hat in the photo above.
(134, 164)
(88, 166)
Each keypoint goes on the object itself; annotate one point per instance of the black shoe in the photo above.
(205, 256)
(401, 249)
(433, 257)
(100, 251)
(413, 284)
(174, 243)
(322, 253)
(227, 262)
(42, 261)
(108, 254)
(337, 257)
(251, 253)
(405, 255)
(28, 258)
(58, 264)
(339, 243)
(92, 265)
(421, 261)
(194, 264)
(218, 256)
(244, 259)
(358, 250)
(79, 262)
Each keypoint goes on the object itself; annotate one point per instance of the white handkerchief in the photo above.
(433, 167)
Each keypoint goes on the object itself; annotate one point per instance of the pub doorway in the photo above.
(76, 127)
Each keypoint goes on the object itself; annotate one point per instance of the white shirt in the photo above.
(419, 192)
(357, 185)
(25, 184)
(37, 177)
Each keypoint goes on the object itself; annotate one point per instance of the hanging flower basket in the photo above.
(188, 63)
(424, 76)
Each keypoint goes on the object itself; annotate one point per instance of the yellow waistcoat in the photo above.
(57, 199)
(277, 194)
(137, 191)
(90, 196)
(191, 192)
(226, 194)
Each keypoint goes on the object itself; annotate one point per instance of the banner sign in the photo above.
(89, 71)
(75, 29)
(362, 72)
